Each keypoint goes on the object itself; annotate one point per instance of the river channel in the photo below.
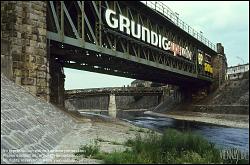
(223, 137)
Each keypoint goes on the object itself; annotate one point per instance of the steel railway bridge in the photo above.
(79, 37)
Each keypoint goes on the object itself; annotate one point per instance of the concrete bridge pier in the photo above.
(112, 106)
(165, 93)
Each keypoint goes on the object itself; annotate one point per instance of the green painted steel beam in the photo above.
(102, 50)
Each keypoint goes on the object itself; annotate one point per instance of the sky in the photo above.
(225, 22)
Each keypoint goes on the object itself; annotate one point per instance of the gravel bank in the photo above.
(111, 135)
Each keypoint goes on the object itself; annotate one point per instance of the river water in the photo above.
(223, 137)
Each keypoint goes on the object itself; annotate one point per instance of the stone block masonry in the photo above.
(29, 124)
(219, 63)
(6, 60)
(23, 25)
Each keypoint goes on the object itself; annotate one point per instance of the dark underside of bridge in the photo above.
(77, 58)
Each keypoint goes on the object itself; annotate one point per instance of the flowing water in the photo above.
(223, 137)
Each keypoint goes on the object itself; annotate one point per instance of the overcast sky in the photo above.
(226, 22)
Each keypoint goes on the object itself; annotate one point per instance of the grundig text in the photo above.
(129, 26)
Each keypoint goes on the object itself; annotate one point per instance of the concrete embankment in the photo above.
(29, 124)
(228, 106)
(231, 98)
(110, 136)
(35, 131)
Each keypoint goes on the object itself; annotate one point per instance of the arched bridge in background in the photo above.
(128, 39)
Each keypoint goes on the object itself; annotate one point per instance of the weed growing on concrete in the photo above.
(88, 150)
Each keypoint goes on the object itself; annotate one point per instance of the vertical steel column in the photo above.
(62, 22)
(139, 47)
(100, 23)
(127, 42)
(83, 32)
(115, 40)
(80, 23)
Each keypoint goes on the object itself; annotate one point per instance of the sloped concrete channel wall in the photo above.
(29, 123)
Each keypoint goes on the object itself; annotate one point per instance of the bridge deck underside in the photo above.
(77, 58)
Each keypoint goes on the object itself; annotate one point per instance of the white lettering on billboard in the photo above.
(140, 32)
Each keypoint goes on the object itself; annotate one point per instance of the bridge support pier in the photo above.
(219, 63)
(57, 83)
(23, 25)
(112, 106)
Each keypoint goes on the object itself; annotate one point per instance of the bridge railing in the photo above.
(174, 17)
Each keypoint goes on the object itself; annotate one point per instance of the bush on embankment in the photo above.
(172, 147)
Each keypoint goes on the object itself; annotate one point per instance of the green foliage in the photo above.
(131, 129)
(172, 147)
(115, 143)
(120, 157)
(101, 140)
(88, 150)
(129, 143)
(141, 130)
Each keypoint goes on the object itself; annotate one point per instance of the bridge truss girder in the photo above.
(80, 39)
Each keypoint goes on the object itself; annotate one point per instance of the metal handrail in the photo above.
(165, 10)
